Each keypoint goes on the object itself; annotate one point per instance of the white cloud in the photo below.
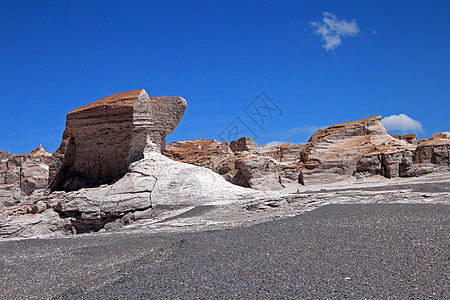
(401, 122)
(333, 30)
(275, 143)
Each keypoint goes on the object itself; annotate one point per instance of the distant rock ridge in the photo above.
(355, 149)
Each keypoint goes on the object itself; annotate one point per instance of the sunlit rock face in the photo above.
(240, 162)
(103, 138)
(355, 149)
(342, 150)
(23, 177)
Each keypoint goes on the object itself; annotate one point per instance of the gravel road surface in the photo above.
(361, 251)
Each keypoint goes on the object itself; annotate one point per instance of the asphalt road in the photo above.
(361, 251)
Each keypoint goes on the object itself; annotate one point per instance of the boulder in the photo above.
(259, 172)
(243, 144)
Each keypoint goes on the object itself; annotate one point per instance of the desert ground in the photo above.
(382, 239)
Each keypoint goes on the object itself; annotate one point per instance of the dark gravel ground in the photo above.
(362, 251)
(438, 187)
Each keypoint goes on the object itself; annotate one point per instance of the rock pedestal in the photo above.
(104, 137)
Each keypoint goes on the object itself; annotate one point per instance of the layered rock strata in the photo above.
(240, 162)
(363, 148)
(342, 150)
(119, 138)
(103, 138)
(354, 149)
(410, 138)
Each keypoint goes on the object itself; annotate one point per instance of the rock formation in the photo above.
(410, 138)
(109, 171)
(354, 149)
(102, 138)
(342, 150)
(239, 162)
(363, 148)
(23, 178)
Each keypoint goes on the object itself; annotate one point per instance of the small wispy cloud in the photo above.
(333, 30)
(401, 122)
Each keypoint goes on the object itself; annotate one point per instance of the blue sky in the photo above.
(382, 58)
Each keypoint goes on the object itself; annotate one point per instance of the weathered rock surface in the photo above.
(243, 144)
(119, 138)
(109, 171)
(431, 154)
(342, 150)
(241, 162)
(410, 138)
(23, 178)
(355, 149)
(104, 137)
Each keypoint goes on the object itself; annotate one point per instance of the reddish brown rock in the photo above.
(410, 138)
(211, 154)
(433, 152)
(102, 138)
(244, 163)
(243, 144)
(342, 150)
(23, 177)
(360, 148)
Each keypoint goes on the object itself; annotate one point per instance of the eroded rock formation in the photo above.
(23, 177)
(342, 150)
(354, 149)
(363, 148)
(240, 162)
(109, 171)
(104, 137)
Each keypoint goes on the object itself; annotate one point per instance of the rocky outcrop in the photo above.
(432, 153)
(363, 148)
(103, 138)
(243, 144)
(119, 138)
(211, 154)
(240, 162)
(23, 178)
(355, 149)
(109, 170)
(410, 138)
